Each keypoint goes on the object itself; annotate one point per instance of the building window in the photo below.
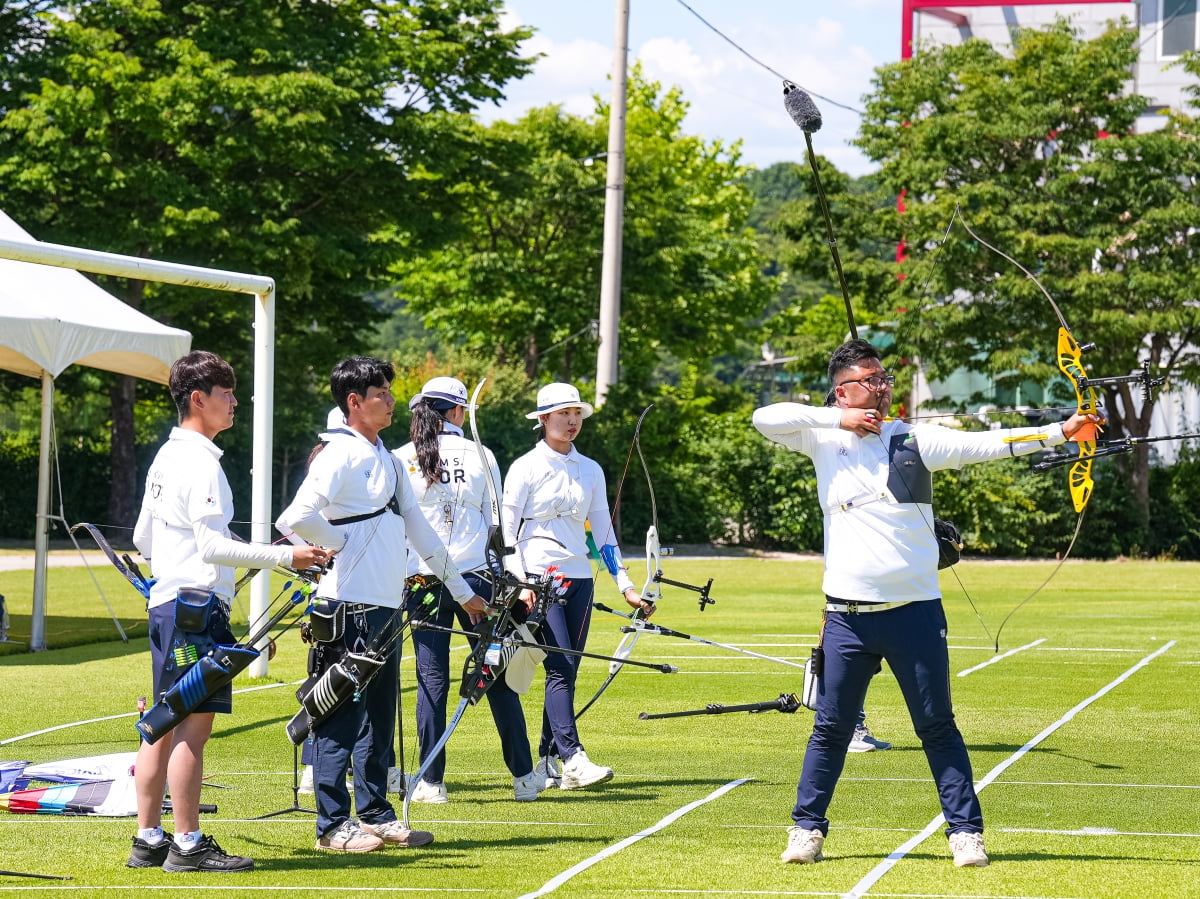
(1178, 26)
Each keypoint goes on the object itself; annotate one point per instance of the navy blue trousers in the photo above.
(363, 728)
(434, 684)
(565, 626)
(912, 640)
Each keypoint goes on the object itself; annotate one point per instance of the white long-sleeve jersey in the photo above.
(352, 476)
(549, 495)
(877, 496)
(183, 526)
(459, 505)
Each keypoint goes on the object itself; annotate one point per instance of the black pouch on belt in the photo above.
(192, 608)
(327, 621)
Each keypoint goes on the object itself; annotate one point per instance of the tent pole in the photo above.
(37, 635)
(260, 499)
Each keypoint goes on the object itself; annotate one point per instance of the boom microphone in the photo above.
(801, 108)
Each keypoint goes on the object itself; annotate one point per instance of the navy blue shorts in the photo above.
(165, 669)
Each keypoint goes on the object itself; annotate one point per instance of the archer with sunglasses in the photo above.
(883, 602)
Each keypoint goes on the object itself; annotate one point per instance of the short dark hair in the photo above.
(850, 354)
(355, 375)
(198, 370)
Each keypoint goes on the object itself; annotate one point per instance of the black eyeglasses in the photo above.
(875, 382)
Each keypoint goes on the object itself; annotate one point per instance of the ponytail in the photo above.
(424, 430)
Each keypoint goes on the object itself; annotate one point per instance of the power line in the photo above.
(760, 63)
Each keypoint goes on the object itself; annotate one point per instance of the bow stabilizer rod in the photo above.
(787, 703)
(546, 647)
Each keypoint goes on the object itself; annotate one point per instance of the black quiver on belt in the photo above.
(213, 671)
(323, 694)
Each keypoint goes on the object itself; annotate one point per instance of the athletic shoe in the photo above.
(349, 837)
(394, 833)
(306, 780)
(205, 856)
(547, 769)
(146, 856)
(526, 789)
(967, 849)
(432, 794)
(397, 780)
(580, 771)
(804, 846)
(864, 742)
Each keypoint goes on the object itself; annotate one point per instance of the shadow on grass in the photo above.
(102, 645)
(449, 853)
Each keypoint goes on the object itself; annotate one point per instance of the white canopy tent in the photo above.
(262, 289)
(52, 318)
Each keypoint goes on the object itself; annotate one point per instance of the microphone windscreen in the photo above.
(801, 108)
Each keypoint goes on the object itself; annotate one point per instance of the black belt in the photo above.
(392, 504)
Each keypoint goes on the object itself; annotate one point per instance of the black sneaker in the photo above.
(207, 856)
(146, 856)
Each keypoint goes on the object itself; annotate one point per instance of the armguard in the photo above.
(196, 686)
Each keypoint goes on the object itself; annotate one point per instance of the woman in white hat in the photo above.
(449, 480)
(553, 492)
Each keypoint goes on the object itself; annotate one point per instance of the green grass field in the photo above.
(1104, 805)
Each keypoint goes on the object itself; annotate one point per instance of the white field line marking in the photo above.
(50, 730)
(1004, 655)
(1097, 832)
(135, 888)
(1032, 783)
(860, 889)
(555, 882)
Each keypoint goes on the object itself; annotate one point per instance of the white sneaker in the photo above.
(526, 789)
(804, 846)
(967, 849)
(580, 771)
(863, 741)
(431, 794)
(306, 780)
(396, 780)
(547, 769)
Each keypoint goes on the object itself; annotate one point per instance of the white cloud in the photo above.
(731, 97)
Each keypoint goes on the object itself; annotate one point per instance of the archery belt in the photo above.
(211, 673)
(322, 695)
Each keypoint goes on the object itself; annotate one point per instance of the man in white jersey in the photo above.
(356, 501)
(183, 530)
(881, 583)
(450, 481)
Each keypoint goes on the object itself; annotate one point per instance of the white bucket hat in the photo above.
(448, 390)
(557, 396)
(334, 421)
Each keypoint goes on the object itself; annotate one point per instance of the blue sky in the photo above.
(830, 49)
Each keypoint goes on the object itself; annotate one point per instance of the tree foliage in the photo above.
(309, 141)
(522, 281)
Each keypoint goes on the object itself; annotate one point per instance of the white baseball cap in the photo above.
(557, 396)
(446, 389)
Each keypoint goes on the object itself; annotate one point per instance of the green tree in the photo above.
(522, 280)
(1034, 149)
(308, 141)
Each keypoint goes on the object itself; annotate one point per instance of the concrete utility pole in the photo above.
(614, 215)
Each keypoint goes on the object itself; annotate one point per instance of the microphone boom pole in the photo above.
(805, 114)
